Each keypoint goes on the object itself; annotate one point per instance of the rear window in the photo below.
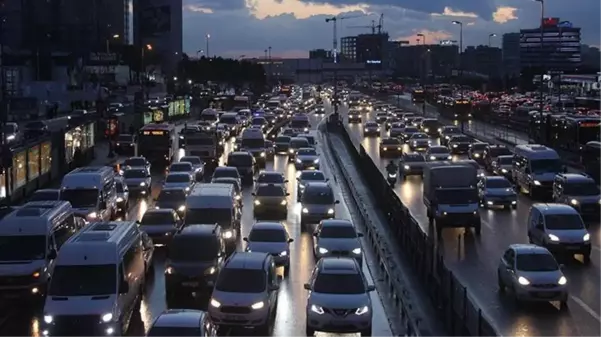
(157, 218)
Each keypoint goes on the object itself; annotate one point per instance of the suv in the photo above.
(318, 202)
(246, 292)
(579, 191)
(194, 260)
(339, 299)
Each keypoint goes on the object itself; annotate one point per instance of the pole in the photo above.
(208, 37)
(425, 55)
(542, 69)
(269, 61)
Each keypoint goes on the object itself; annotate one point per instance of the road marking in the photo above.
(586, 307)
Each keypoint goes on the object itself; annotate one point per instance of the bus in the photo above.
(590, 159)
(158, 143)
(418, 96)
(575, 131)
(241, 103)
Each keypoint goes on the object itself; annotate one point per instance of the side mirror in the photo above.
(360, 235)
(287, 194)
(307, 286)
(371, 288)
(328, 179)
(285, 181)
(123, 287)
(245, 239)
(52, 254)
(290, 240)
(253, 194)
(337, 202)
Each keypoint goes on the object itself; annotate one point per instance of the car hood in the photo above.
(420, 141)
(267, 247)
(234, 299)
(541, 277)
(344, 301)
(191, 268)
(318, 208)
(79, 305)
(338, 244)
(568, 235)
(307, 157)
(504, 192)
(157, 229)
(21, 268)
(176, 185)
(135, 181)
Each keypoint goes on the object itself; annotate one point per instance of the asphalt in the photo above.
(290, 318)
(475, 260)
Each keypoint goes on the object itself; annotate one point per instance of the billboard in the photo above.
(155, 21)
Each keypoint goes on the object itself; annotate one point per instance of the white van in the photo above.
(91, 192)
(98, 281)
(30, 238)
(253, 141)
(534, 168)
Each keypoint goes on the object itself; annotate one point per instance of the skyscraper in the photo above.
(511, 54)
(558, 50)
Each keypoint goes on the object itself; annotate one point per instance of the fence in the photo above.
(460, 315)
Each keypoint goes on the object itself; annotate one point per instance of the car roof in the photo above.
(494, 178)
(225, 168)
(306, 149)
(554, 209)
(181, 163)
(311, 172)
(268, 225)
(319, 185)
(178, 174)
(522, 248)
(246, 260)
(576, 177)
(180, 318)
(271, 173)
(199, 230)
(338, 265)
(337, 223)
(240, 153)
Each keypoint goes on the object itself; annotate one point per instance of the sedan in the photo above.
(226, 172)
(138, 180)
(408, 131)
(496, 191)
(502, 166)
(438, 153)
(160, 225)
(307, 158)
(198, 166)
(271, 238)
(282, 145)
(136, 162)
(412, 164)
(396, 130)
(476, 152)
(460, 144)
(354, 116)
(390, 147)
(419, 142)
(381, 117)
(371, 129)
(270, 199)
(271, 177)
(337, 237)
(305, 177)
(182, 180)
(183, 322)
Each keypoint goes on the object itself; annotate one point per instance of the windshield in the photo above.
(227, 173)
(80, 198)
(584, 189)
(414, 158)
(178, 178)
(307, 152)
(267, 235)
(456, 197)
(135, 174)
(157, 218)
(174, 331)
(282, 139)
(439, 149)
(298, 143)
(124, 138)
(44, 196)
(208, 117)
(239, 160)
(419, 136)
(498, 183)
(535, 262)
(479, 146)
(339, 284)
(194, 248)
(312, 176)
(221, 216)
(84, 280)
(429, 123)
(299, 123)
(199, 140)
(22, 248)
(270, 191)
(172, 196)
(411, 130)
(225, 119)
(563, 221)
(271, 178)
(253, 143)
(499, 151)
(451, 130)
(371, 125)
(254, 280)
(338, 232)
(545, 166)
(504, 160)
(259, 121)
(461, 139)
(180, 167)
(191, 160)
(133, 162)
(390, 141)
(318, 197)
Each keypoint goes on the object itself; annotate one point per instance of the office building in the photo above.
(369, 49)
(434, 60)
(511, 54)
(159, 23)
(558, 50)
(483, 60)
(591, 57)
(348, 48)
(321, 54)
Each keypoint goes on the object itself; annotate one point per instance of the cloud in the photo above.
(300, 10)
(196, 8)
(504, 14)
(214, 5)
(432, 37)
(450, 12)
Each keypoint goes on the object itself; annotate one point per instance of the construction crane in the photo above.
(334, 21)
(379, 26)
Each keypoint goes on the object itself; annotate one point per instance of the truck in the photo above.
(204, 144)
(450, 195)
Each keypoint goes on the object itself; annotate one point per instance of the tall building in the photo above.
(159, 23)
(348, 48)
(591, 57)
(511, 54)
(558, 50)
(370, 49)
(434, 60)
(484, 60)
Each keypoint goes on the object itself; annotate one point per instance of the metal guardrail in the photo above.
(458, 310)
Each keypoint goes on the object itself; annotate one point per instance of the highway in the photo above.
(290, 319)
(475, 260)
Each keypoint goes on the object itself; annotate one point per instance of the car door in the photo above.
(508, 263)
(316, 237)
(537, 227)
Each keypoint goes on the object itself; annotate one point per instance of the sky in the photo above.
(245, 28)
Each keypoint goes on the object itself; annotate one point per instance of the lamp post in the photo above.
(490, 66)
(460, 66)
(208, 38)
(269, 64)
(424, 61)
(542, 66)
(108, 42)
(143, 79)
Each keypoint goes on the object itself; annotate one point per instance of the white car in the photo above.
(338, 299)
(181, 180)
(371, 129)
(307, 158)
(438, 153)
(337, 237)
(419, 141)
(271, 238)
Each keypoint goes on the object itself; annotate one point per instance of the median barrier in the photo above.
(458, 310)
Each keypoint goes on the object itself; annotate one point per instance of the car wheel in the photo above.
(310, 332)
(366, 332)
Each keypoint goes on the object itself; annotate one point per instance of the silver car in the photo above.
(135, 162)
(371, 129)
(271, 238)
(502, 166)
(138, 180)
(337, 237)
(532, 274)
(419, 142)
(438, 153)
(497, 191)
(181, 180)
(197, 165)
(307, 158)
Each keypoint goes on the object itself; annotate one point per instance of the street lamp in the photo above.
(424, 62)
(143, 67)
(460, 51)
(108, 41)
(208, 38)
(542, 64)
(490, 36)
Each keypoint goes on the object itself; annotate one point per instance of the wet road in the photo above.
(475, 261)
(290, 319)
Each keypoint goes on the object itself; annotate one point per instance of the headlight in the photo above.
(317, 309)
(476, 155)
(210, 271)
(537, 183)
(385, 148)
(298, 160)
(574, 202)
(562, 280)
(284, 253)
(262, 154)
(291, 150)
(406, 167)
(284, 202)
(362, 310)
(455, 146)
(182, 208)
(93, 215)
(238, 197)
(48, 319)
(257, 202)
(228, 234)
(258, 305)
(398, 148)
(187, 189)
(503, 171)
(432, 158)
(553, 237)
(181, 137)
(316, 161)
(142, 184)
(439, 130)
(378, 129)
(305, 210)
(119, 199)
(523, 281)
(450, 157)
(586, 237)
(426, 130)
(357, 251)
(107, 317)
(331, 211)
(215, 303)
(322, 250)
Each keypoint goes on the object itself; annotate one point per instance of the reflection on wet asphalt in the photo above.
(290, 319)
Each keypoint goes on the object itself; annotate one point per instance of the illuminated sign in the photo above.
(589, 124)
(374, 62)
(550, 22)
(154, 133)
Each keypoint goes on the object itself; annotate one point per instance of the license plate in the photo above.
(573, 247)
(190, 284)
(235, 318)
(545, 294)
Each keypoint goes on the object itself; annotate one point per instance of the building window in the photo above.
(45, 158)
(3, 189)
(72, 141)
(33, 162)
(19, 169)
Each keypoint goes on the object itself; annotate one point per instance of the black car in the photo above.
(183, 322)
(172, 198)
(195, 258)
(126, 144)
(282, 145)
(430, 126)
(391, 147)
(244, 162)
(460, 144)
(476, 152)
(492, 152)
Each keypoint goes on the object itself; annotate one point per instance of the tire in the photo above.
(310, 332)
(287, 270)
(366, 332)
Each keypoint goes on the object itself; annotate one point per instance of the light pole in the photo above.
(143, 79)
(490, 60)
(108, 42)
(542, 66)
(269, 64)
(208, 38)
(460, 66)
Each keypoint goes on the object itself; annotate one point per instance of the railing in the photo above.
(458, 311)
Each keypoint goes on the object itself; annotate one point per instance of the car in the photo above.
(182, 167)
(337, 237)
(496, 191)
(579, 191)
(560, 229)
(51, 194)
(271, 177)
(259, 123)
(297, 143)
(412, 164)
(306, 176)
(198, 166)
(491, 153)
(246, 293)
(419, 142)
(381, 117)
(446, 132)
(136, 162)
(408, 131)
(138, 180)
(392, 120)
(160, 225)
(408, 117)
(438, 153)
(206, 126)
(226, 172)
(172, 198)
(476, 152)
(502, 166)
(430, 126)
(319, 110)
(459, 144)
(396, 130)
(271, 238)
(231, 181)
(270, 199)
(371, 129)
(390, 147)
(183, 180)
(244, 162)
(532, 274)
(289, 132)
(417, 122)
(354, 116)
(307, 158)
(126, 144)
(339, 299)
(282, 145)
(318, 203)
(182, 322)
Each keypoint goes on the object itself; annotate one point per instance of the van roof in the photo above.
(535, 151)
(253, 133)
(86, 177)
(553, 208)
(247, 260)
(213, 189)
(99, 243)
(32, 218)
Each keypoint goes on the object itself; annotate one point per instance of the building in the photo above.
(483, 60)
(434, 60)
(511, 54)
(159, 23)
(348, 48)
(321, 54)
(591, 57)
(559, 49)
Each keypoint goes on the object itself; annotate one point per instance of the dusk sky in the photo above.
(292, 27)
